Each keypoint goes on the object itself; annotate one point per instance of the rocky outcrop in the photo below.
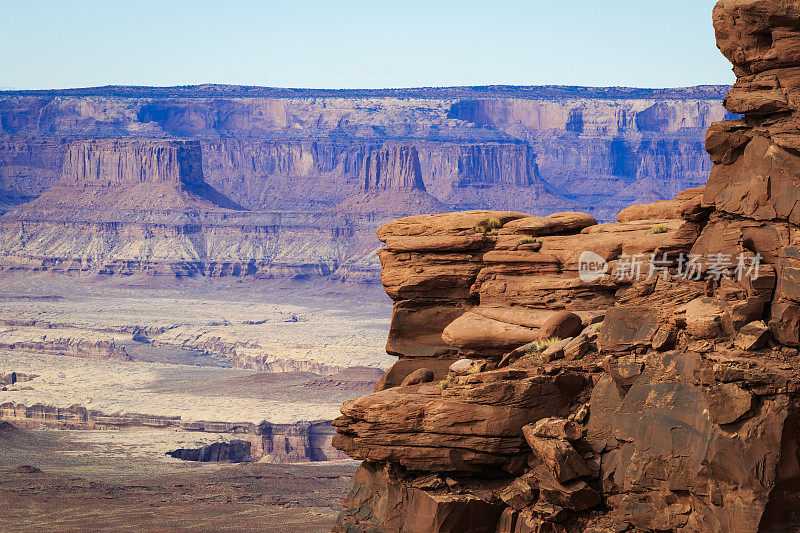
(460, 286)
(753, 184)
(649, 419)
(234, 451)
(588, 390)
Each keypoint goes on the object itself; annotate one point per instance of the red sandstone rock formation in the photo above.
(675, 407)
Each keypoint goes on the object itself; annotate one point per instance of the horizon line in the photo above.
(701, 91)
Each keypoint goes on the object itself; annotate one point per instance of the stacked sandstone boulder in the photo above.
(529, 396)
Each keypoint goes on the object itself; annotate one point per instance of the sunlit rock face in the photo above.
(553, 401)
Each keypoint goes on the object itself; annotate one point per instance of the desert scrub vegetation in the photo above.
(542, 345)
(474, 369)
(661, 228)
(490, 228)
(446, 382)
(530, 240)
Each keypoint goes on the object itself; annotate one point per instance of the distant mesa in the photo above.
(149, 179)
(390, 183)
(132, 175)
(391, 168)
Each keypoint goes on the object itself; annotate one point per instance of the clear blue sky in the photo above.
(358, 44)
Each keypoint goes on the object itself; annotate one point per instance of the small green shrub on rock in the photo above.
(661, 228)
(489, 228)
(542, 345)
(494, 223)
(474, 369)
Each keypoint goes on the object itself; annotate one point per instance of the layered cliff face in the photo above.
(289, 175)
(391, 168)
(123, 179)
(273, 246)
(607, 152)
(319, 175)
(391, 182)
(556, 374)
(753, 185)
(142, 206)
(267, 149)
(28, 166)
(131, 175)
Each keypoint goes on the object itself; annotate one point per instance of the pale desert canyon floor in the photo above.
(101, 479)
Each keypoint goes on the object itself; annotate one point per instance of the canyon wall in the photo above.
(109, 176)
(469, 140)
(143, 206)
(218, 180)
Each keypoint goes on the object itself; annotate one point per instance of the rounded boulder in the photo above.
(562, 325)
(461, 366)
(420, 375)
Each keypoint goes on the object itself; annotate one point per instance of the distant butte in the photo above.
(132, 175)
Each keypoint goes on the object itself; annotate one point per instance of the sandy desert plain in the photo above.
(165, 349)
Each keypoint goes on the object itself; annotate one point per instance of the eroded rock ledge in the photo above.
(664, 401)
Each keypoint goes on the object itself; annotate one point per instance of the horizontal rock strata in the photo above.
(117, 179)
(581, 396)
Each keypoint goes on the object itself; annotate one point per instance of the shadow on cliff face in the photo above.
(209, 193)
(235, 451)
